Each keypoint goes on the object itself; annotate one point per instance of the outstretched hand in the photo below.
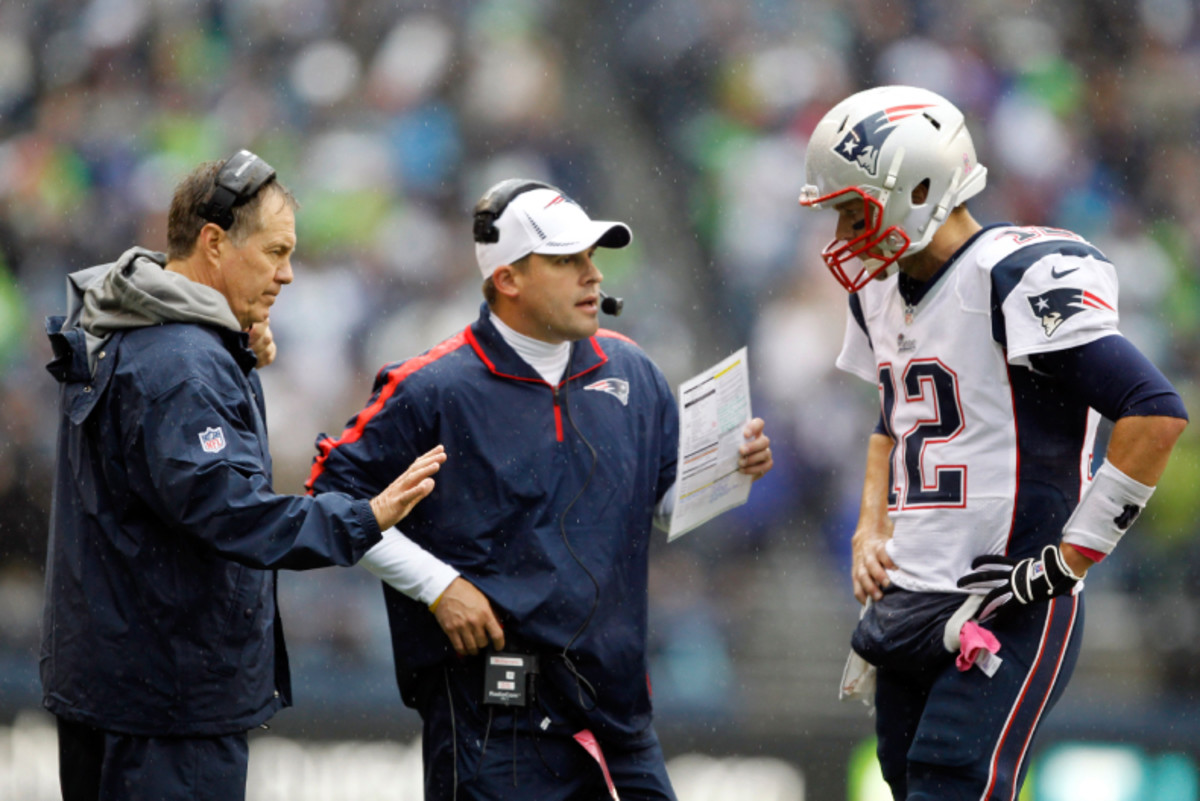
(394, 503)
(466, 615)
(754, 456)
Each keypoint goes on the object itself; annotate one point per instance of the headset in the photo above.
(492, 205)
(240, 178)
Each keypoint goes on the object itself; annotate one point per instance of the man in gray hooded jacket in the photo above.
(162, 643)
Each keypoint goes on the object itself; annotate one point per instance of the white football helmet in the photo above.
(880, 145)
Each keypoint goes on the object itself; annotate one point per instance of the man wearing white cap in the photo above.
(521, 639)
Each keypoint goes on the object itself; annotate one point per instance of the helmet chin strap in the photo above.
(889, 181)
(894, 241)
(893, 174)
(942, 209)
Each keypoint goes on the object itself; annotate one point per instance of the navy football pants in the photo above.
(516, 758)
(97, 765)
(950, 735)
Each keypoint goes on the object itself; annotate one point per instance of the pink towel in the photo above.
(974, 638)
(588, 741)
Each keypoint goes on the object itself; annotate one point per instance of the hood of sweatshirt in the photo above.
(134, 292)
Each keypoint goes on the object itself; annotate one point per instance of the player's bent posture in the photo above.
(995, 350)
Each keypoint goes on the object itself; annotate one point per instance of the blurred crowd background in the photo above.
(689, 120)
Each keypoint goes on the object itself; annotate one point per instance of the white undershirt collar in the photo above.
(550, 361)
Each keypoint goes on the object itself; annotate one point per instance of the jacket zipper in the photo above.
(558, 428)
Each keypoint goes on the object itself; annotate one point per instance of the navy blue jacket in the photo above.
(521, 489)
(160, 614)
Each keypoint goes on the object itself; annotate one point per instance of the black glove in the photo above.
(1022, 581)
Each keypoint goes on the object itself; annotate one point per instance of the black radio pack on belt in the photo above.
(506, 678)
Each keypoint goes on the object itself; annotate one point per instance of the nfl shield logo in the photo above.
(212, 440)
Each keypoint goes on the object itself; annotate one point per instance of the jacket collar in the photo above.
(503, 361)
(238, 344)
(85, 386)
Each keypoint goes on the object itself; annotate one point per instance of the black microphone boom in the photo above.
(610, 305)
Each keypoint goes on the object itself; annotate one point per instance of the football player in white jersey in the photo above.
(996, 351)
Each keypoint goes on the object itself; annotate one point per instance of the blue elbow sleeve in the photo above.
(1113, 377)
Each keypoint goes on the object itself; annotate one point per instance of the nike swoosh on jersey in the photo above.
(1054, 273)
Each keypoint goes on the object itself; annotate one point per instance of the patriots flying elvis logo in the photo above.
(617, 387)
(1055, 306)
(861, 144)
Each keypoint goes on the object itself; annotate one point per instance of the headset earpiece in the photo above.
(492, 205)
(485, 230)
(240, 178)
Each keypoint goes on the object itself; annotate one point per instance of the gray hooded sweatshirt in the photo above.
(134, 292)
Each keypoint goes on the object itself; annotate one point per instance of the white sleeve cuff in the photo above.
(664, 510)
(408, 567)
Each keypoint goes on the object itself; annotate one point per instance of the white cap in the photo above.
(548, 222)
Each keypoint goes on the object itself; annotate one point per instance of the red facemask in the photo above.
(839, 253)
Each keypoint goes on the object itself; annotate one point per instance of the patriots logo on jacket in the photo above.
(861, 144)
(617, 387)
(1055, 306)
(212, 440)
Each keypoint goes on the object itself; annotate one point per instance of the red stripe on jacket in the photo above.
(394, 377)
(605, 332)
(599, 351)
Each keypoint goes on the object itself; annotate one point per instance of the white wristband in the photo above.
(408, 567)
(1106, 510)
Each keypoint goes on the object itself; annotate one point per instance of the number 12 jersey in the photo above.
(989, 455)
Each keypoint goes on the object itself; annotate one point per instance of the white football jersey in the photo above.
(990, 456)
